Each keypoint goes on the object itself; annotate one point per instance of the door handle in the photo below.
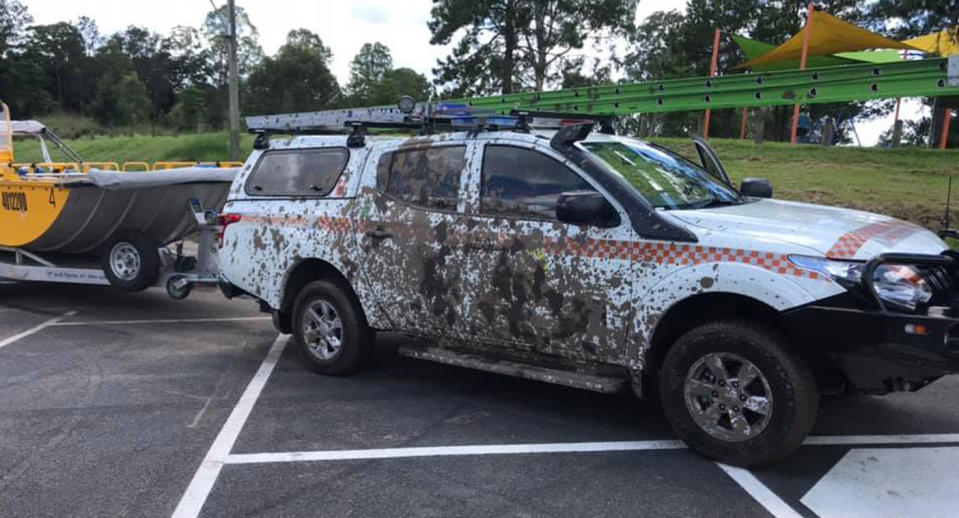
(378, 233)
(484, 244)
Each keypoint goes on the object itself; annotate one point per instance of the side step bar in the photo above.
(580, 380)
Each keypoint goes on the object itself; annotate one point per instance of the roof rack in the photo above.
(423, 117)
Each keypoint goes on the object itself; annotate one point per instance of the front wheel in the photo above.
(735, 392)
(330, 329)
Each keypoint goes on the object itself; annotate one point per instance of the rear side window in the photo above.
(523, 182)
(297, 172)
(428, 177)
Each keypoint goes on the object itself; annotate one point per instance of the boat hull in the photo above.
(81, 217)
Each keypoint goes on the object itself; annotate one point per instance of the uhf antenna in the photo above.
(948, 197)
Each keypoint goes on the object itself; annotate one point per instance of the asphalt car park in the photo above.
(116, 404)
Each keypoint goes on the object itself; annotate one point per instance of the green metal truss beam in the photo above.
(842, 83)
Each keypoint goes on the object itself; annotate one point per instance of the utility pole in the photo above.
(234, 81)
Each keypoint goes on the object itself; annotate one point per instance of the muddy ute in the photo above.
(590, 260)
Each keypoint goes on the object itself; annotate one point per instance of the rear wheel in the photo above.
(736, 392)
(330, 330)
(131, 262)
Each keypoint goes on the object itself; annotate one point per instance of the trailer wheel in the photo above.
(131, 262)
(178, 287)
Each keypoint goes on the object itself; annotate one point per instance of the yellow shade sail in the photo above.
(829, 36)
(943, 43)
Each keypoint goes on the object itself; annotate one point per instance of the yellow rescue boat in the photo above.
(124, 219)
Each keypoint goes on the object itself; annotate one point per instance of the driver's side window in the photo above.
(523, 182)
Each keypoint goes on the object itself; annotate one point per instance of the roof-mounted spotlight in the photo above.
(406, 104)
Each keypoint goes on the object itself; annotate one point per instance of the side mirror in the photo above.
(756, 187)
(587, 209)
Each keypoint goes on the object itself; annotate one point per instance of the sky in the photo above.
(344, 26)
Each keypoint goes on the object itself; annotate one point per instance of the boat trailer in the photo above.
(179, 272)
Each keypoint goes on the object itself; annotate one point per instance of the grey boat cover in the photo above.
(119, 180)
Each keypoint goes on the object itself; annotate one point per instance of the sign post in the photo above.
(802, 66)
(712, 72)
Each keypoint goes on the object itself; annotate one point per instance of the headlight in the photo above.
(843, 272)
(897, 284)
(901, 285)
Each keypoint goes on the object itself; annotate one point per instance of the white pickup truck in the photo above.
(594, 261)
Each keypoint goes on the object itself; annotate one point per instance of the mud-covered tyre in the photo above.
(735, 392)
(330, 330)
(130, 261)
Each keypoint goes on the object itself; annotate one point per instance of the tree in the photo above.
(484, 58)
(122, 100)
(674, 44)
(14, 20)
(217, 33)
(399, 82)
(19, 76)
(152, 57)
(190, 112)
(191, 57)
(497, 36)
(916, 17)
(374, 81)
(60, 51)
(297, 78)
(558, 27)
(368, 68)
(90, 33)
(573, 76)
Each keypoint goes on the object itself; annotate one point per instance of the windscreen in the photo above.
(6, 138)
(663, 178)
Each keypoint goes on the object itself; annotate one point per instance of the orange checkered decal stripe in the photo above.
(325, 222)
(677, 254)
(887, 232)
(645, 252)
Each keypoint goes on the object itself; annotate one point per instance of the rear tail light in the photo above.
(226, 220)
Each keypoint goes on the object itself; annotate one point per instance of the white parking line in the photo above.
(861, 440)
(192, 501)
(199, 489)
(762, 494)
(441, 451)
(570, 447)
(743, 477)
(156, 321)
(40, 327)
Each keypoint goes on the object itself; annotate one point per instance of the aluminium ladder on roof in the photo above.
(842, 83)
(429, 115)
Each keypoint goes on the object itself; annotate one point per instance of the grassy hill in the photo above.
(198, 147)
(906, 183)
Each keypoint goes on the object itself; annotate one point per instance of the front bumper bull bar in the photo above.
(878, 349)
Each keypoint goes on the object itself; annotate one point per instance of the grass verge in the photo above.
(907, 183)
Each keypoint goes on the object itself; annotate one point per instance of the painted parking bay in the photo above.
(116, 445)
